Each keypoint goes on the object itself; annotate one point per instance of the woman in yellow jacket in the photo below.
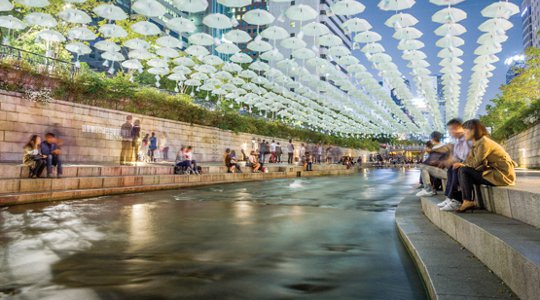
(487, 163)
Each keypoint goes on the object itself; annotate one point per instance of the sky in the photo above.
(423, 10)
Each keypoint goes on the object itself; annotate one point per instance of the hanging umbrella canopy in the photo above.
(237, 36)
(446, 2)
(414, 55)
(207, 69)
(486, 59)
(77, 16)
(149, 8)
(490, 38)
(201, 38)
(258, 17)
(134, 64)
(112, 31)
(450, 52)
(197, 51)
(145, 28)
(192, 82)
(212, 60)
(231, 67)
(303, 53)
(199, 76)
(395, 5)
(180, 25)
(181, 70)
(78, 48)
(259, 46)
(488, 49)
(301, 12)
(140, 54)
(33, 3)
(367, 37)
(223, 75)
(449, 15)
(191, 6)
(410, 45)
(275, 33)
(81, 33)
(75, 1)
(234, 3)
(113, 56)
(217, 21)
(272, 55)
(408, 33)
(259, 66)
(241, 58)
(500, 10)
(401, 20)
(158, 63)
(315, 29)
(110, 12)
(10, 22)
(169, 41)
(495, 25)
(347, 60)
(137, 44)
(247, 74)
(5, 5)
(451, 61)
(347, 7)
(293, 43)
(167, 52)
(356, 25)
(450, 41)
(330, 40)
(177, 77)
(40, 19)
(107, 46)
(184, 61)
(450, 29)
(338, 51)
(158, 71)
(51, 36)
(227, 48)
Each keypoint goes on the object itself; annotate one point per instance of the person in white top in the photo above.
(188, 156)
(273, 151)
(290, 152)
(302, 152)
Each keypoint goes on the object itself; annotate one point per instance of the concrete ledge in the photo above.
(448, 270)
(510, 248)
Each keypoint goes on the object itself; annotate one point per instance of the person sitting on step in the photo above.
(32, 157)
(51, 151)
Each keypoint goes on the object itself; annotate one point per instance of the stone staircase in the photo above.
(505, 236)
(83, 181)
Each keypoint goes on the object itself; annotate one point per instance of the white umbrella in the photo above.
(177, 77)
(450, 52)
(207, 69)
(407, 33)
(33, 3)
(449, 15)
(488, 49)
(301, 12)
(192, 82)
(78, 48)
(167, 52)
(197, 51)
(367, 37)
(81, 33)
(137, 44)
(145, 28)
(347, 7)
(112, 31)
(227, 48)
(110, 12)
(500, 10)
(199, 75)
(75, 1)
(11, 23)
(338, 51)
(410, 45)
(201, 38)
(303, 53)
(486, 59)
(272, 55)
(169, 41)
(40, 19)
(184, 61)
(231, 67)
(315, 29)
(5, 5)
(356, 25)
(51, 36)
(293, 43)
(373, 48)
(140, 54)
(259, 66)
(395, 5)
(275, 33)
(180, 25)
(77, 16)
(401, 20)
(149, 8)
(259, 46)
(495, 25)
(133, 64)
(347, 60)
(217, 21)
(158, 63)
(158, 71)
(241, 58)
(181, 69)
(450, 29)
(490, 38)
(237, 36)
(234, 3)
(191, 6)
(212, 60)
(330, 40)
(450, 41)
(258, 17)
(107, 46)
(113, 56)
(414, 55)
(247, 74)
(446, 2)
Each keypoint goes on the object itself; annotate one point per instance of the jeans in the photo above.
(452, 184)
(38, 167)
(54, 160)
(468, 177)
(290, 158)
(126, 155)
(426, 180)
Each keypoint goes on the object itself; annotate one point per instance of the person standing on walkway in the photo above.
(262, 151)
(279, 152)
(319, 153)
(302, 152)
(135, 140)
(290, 152)
(126, 154)
(164, 147)
(152, 146)
(273, 157)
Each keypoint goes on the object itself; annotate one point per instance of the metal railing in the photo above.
(40, 63)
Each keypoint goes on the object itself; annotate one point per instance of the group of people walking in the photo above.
(472, 158)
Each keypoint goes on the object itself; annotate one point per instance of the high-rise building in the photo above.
(530, 15)
(515, 64)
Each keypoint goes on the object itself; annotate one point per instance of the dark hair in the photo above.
(189, 147)
(129, 117)
(227, 150)
(429, 144)
(455, 121)
(32, 142)
(479, 129)
(436, 136)
(49, 134)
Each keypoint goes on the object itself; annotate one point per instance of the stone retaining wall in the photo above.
(524, 147)
(91, 134)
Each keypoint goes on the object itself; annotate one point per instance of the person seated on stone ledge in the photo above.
(254, 162)
(436, 156)
(188, 156)
(487, 163)
(32, 157)
(51, 151)
(308, 162)
(227, 160)
(233, 163)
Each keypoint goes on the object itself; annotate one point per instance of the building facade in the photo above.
(530, 16)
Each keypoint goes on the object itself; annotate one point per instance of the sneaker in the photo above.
(453, 205)
(424, 193)
(446, 201)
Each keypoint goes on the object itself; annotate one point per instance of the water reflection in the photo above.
(317, 238)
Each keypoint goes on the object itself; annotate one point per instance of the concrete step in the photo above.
(508, 247)
(448, 270)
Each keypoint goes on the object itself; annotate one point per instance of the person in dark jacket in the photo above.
(51, 151)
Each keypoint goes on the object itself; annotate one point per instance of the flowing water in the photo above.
(316, 238)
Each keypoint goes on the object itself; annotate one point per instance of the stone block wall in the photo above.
(524, 147)
(91, 134)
